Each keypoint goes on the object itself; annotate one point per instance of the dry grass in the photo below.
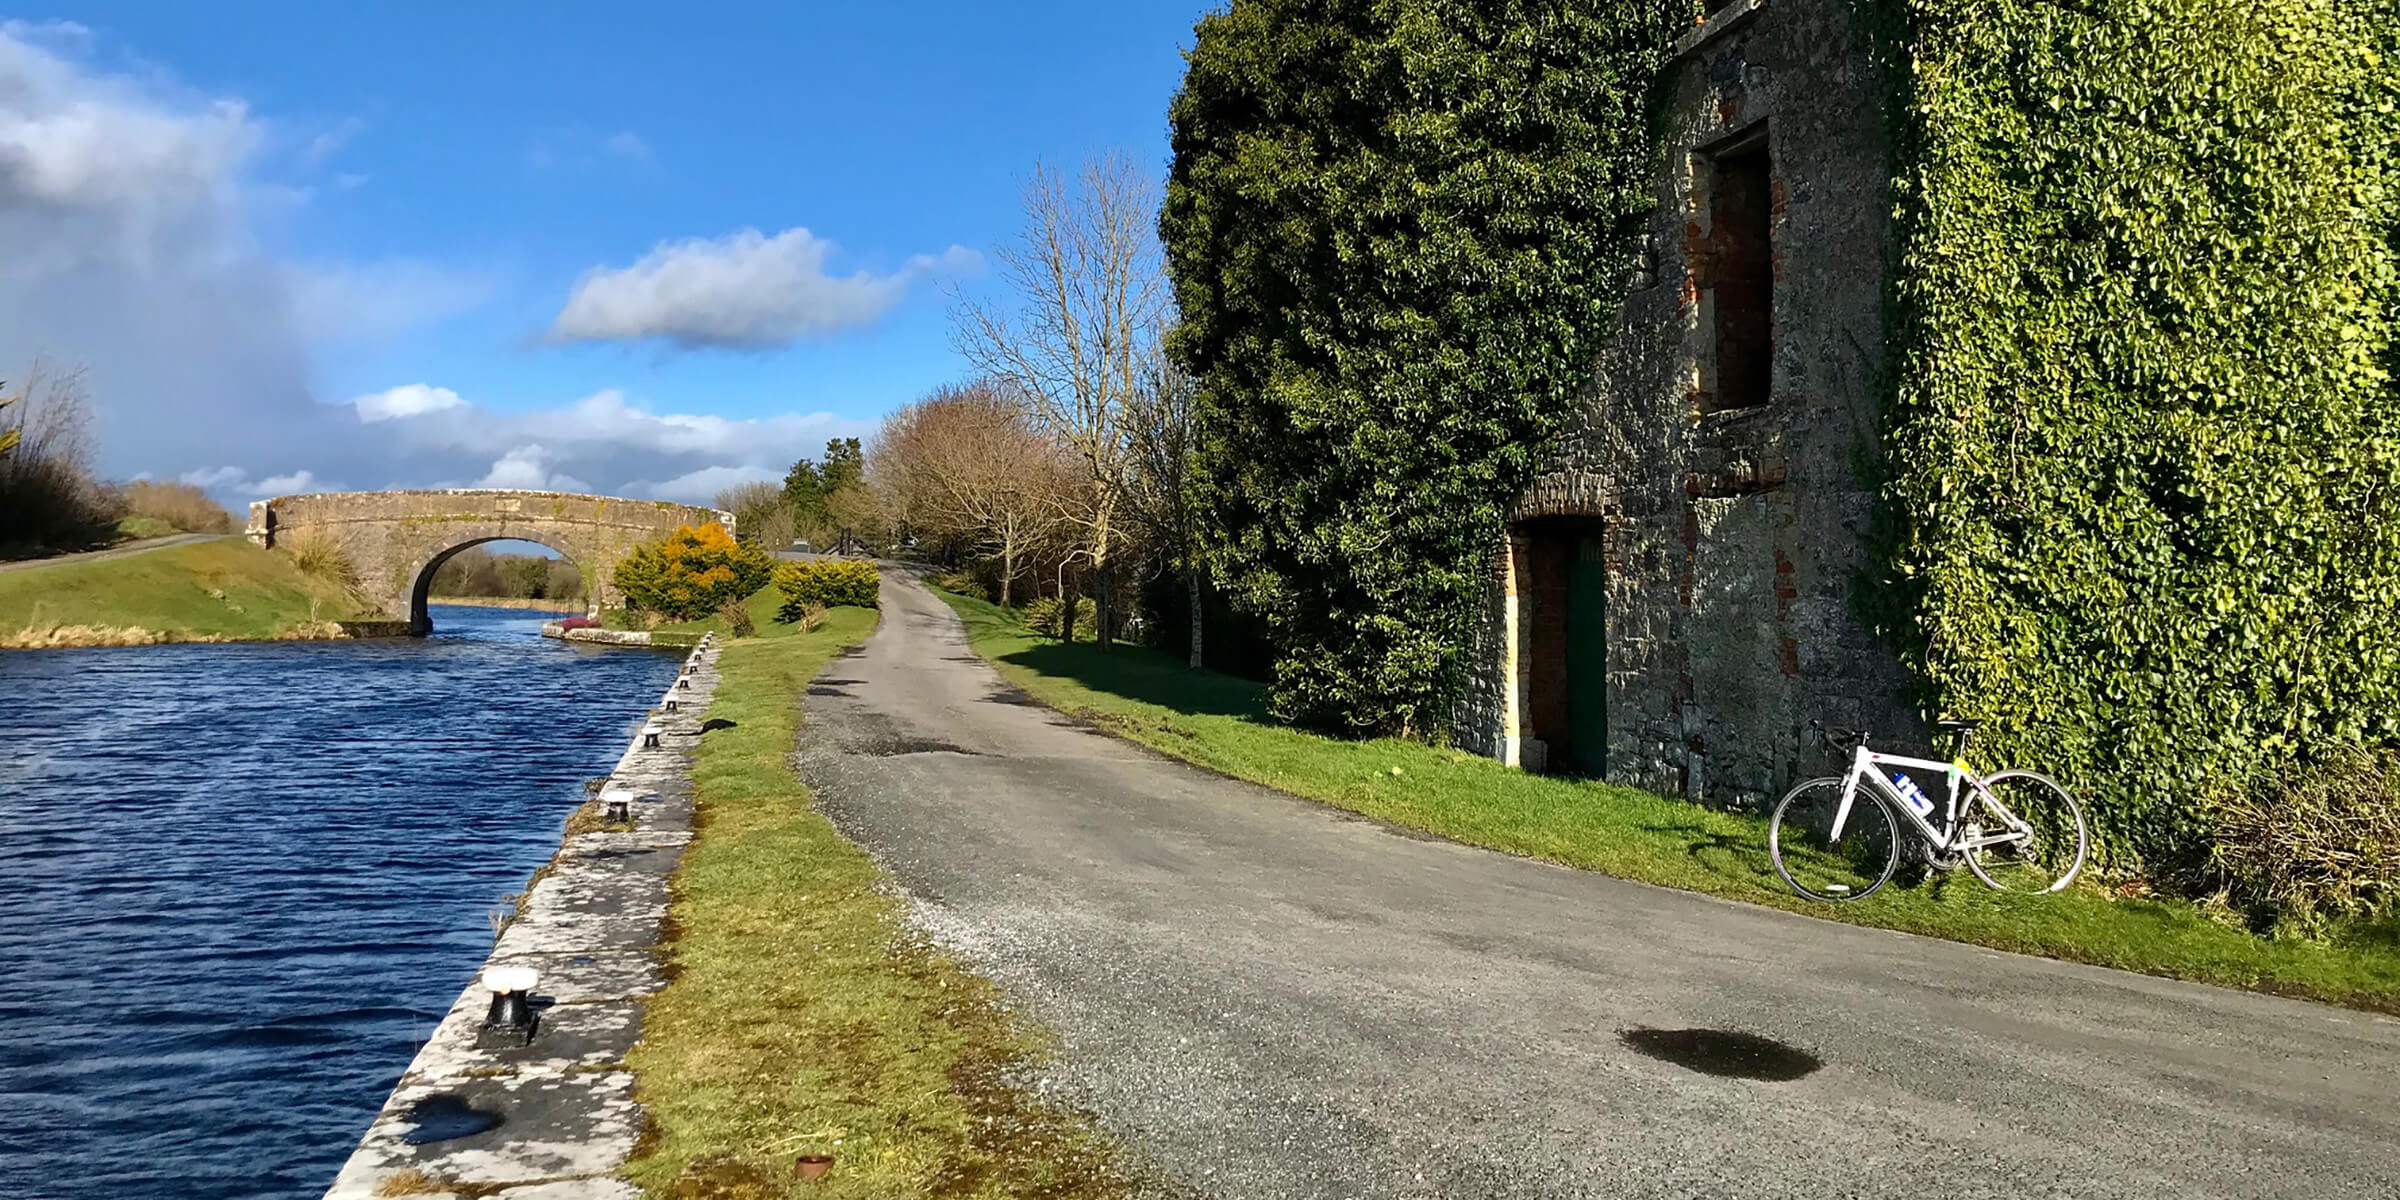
(179, 505)
(2307, 847)
(409, 1181)
(323, 558)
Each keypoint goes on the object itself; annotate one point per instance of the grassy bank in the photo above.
(804, 1017)
(1218, 722)
(202, 591)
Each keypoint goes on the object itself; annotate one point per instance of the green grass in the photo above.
(762, 605)
(1218, 722)
(220, 589)
(804, 1017)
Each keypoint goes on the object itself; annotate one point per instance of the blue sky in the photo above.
(633, 248)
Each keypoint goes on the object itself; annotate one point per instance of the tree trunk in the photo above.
(1104, 611)
(1191, 584)
(1008, 568)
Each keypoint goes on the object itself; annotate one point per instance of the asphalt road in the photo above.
(120, 550)
(1271, 998)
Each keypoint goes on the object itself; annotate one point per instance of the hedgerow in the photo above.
(825, 583)
(1397, 233)
(2145, 441)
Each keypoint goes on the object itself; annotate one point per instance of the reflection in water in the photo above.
(243, 881)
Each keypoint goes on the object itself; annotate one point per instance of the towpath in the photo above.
(120, 550)
(1271, 998)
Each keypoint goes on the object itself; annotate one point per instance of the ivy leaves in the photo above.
(1395, 231)
(2146, 431)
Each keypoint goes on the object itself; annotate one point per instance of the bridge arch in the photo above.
(420, 592)
(396, 540)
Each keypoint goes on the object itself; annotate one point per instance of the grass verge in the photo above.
(1219, 722)
(805, 1018)
(217, 590)
(762, 604)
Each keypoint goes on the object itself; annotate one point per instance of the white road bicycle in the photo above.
(1839, 838)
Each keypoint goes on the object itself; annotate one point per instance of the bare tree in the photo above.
(1078, 331)
(49, 498)
(1158, 486)
(964, 463)
(756, 507)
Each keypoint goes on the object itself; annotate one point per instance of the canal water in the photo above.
(240, 883)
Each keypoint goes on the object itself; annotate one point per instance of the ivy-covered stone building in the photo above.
(1674, 599)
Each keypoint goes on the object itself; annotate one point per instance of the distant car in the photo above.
(802, 547)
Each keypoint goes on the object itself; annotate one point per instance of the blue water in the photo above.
(239, 883)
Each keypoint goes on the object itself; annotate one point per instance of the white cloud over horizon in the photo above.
(133, 209)
(744, 291)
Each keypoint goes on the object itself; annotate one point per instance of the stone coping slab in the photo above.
(554, 1118)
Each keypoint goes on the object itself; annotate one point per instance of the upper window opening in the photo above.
(1741, 255)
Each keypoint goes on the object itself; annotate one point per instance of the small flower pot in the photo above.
(813, 1166)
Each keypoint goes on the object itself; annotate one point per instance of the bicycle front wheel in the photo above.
(1820, 866)
(2052, 840)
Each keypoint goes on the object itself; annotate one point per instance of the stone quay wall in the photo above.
(559, 1109)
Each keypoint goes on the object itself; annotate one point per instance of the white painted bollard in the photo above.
(671, 702)
(650, 734)
(616, 806)
(511, 1015)
(684, 684)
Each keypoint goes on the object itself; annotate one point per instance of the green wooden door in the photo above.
(1587, 659)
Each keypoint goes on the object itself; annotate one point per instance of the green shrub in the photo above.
(1045, 614)
(1398, 234)
(961, 583)
(2303, 846)
(825, 583)
(692, 572)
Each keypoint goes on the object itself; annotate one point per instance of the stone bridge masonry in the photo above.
(397, 540)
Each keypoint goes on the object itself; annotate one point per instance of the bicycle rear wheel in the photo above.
(1818, 865)
(2050, 856)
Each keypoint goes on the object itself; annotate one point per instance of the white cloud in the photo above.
(409, 400)
(742, 291)
(702, 486)
(604, 437)
(329, 142)
(627, 144)
(237, 482)
(128, 207)
(527, 467)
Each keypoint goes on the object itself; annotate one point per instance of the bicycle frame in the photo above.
(1864, 765)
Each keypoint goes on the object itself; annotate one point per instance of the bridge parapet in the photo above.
(397, 540)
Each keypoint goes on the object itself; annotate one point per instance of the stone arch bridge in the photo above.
(397, 540)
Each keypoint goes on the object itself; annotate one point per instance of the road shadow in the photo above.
(1140, 673)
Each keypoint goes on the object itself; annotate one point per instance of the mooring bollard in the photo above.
(616, 807)
(650, 734)
(671, 702)
(511, 1015)
(684, 683)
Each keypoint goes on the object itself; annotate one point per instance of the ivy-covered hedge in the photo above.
(2146, 444)
(1397, 232)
